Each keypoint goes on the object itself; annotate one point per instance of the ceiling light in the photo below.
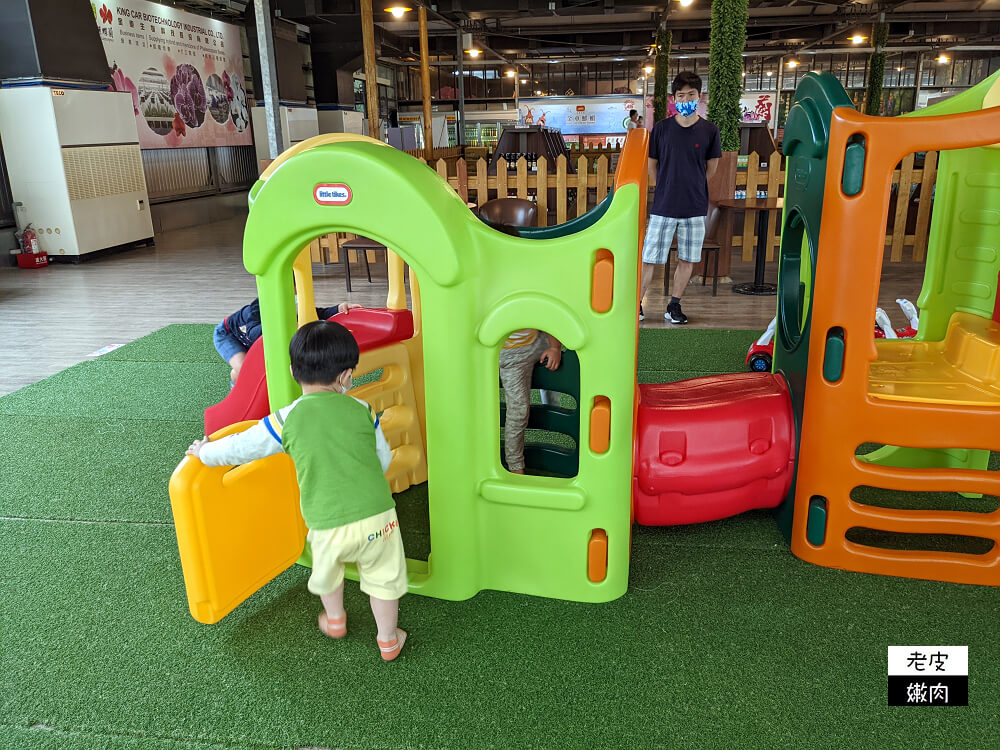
(899, 67)
(398, 10)
(769, 74)
(857, 39)
(744, 74)
(648, 69)
(943, 59)
(685, 3)
(538, 93)
(473, 52)
(792, 63)
(511, 74)
(524, 80)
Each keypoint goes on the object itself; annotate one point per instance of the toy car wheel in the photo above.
(760, 363)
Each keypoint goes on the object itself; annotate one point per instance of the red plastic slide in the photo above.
(712, 447)
(248, 398)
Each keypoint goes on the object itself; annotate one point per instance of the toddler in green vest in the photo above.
(340, 458)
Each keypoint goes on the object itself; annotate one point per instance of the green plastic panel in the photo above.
(816, 521)
(568, 227)
(806, 146)
(489, 529)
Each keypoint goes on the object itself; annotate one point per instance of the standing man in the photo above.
(633, 120)
(684, 152)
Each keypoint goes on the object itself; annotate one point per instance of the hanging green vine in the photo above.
(725, 69)
(876, 70)
(661, 83)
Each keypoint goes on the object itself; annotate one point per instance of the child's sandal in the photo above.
(390, 649)
(333, 628)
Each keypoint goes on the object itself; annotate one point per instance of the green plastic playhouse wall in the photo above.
(806, 142)
(963, 253)
(489, 529)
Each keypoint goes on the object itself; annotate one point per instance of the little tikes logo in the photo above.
(332, 194)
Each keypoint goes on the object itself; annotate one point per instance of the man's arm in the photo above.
(711, 166)
(653, 163)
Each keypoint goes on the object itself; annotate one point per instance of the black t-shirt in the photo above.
(681, 153)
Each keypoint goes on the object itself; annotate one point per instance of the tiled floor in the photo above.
(54, 317)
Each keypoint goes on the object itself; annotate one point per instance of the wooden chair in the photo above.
(715, 224)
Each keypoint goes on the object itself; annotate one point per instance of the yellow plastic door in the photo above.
(237, 528)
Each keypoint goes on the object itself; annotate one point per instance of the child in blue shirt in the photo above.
(234, 336)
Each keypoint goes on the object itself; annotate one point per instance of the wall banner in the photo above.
(578, 115)
(185, 73)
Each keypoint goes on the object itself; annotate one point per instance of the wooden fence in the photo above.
(566, 195)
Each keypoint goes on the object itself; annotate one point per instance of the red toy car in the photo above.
(761, 353)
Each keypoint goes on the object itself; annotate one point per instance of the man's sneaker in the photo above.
(641, 316)
(674, 314)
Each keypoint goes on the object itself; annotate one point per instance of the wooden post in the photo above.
(902, 204)
(371, 73)
(542, 192)
(924, 208)
(425, 86)
(482, 182)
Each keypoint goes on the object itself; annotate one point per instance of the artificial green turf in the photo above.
(108, 389)
(712, 644)
(724, 639)
(79, 468)
(180, 342)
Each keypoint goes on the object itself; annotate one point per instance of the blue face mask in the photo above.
(686, 108)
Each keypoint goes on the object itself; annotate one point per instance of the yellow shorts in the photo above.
(373, 543)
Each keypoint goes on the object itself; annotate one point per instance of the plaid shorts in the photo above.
(660, 233)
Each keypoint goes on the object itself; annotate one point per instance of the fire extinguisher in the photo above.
(29, 240)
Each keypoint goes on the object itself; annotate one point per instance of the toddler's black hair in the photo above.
(320, 351)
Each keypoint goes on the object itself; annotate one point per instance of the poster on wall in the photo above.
(579, 115)
(185, 73)
(759, 108)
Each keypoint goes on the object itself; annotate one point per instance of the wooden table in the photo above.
(764, 208)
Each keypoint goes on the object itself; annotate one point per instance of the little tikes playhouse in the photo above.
(662, 453)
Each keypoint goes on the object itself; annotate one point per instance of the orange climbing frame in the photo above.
(842, 407)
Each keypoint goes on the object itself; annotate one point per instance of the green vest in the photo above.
(331, 438)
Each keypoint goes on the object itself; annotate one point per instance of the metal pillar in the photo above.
(460, 119)
(269, 77)
(425, 86)
(371, 69)
(777, 96)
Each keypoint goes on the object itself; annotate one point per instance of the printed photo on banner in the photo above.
(184, 72)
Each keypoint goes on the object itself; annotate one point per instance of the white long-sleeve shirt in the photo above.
(264, 439)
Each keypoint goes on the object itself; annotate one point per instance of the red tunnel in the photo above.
(712, 447)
